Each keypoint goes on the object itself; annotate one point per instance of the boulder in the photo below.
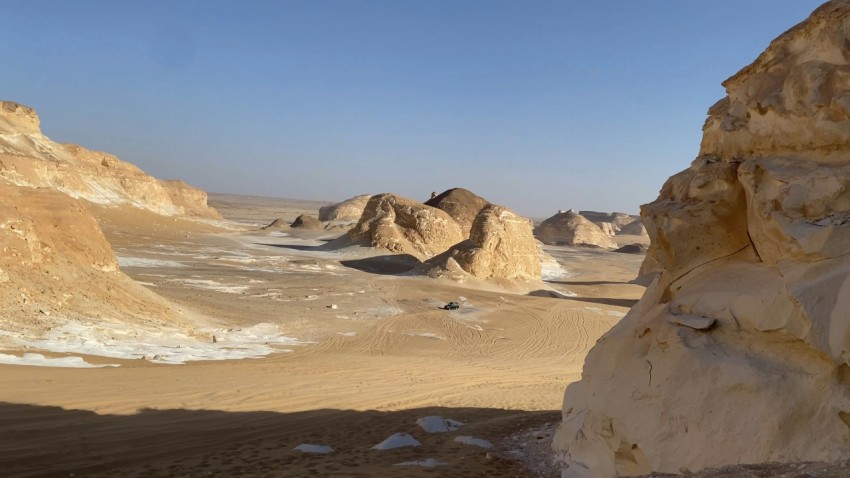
(461, 204)
(501, 248)
(634, 228)
(348, 211)
(739, 351)
(572, 229)
(403, 226)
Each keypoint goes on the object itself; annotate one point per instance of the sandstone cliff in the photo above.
(401, 225)
(461, 204)
(572, 229)
(28, 158)
(501, 248)
(739, 352)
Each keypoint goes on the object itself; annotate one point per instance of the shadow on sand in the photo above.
(390, 264)
(42, 441)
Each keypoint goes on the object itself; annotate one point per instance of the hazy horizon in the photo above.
(538, 106)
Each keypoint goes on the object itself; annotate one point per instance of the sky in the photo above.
(537, 105)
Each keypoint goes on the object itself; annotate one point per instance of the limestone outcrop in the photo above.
(461, 204)
(348, 211)
(306, 222)
(28, 158)
(739, 351)
(572, 229)
(501, 248)
(401, 225)
(634, 228)
(610, 222)
(56, 262)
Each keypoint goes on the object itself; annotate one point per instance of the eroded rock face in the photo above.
(634, 228)
(401, 225)
(28, 158)
(349, 210)
(739, 352)
(572, 229)
(610, 222)
(461, 204)
(501, 247)
(55, 261)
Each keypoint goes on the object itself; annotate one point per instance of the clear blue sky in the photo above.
(536, 105)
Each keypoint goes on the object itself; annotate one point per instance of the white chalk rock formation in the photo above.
(634, 228)
(739, 352)
(348, 211)
(572, 229)
(461, 204)
(609, 222)
(404, 226)
(501, 248)
(306, 222)
(28, 158)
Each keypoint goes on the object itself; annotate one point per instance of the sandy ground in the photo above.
(370, 353)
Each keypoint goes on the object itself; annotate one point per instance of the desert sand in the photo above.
(347, 352)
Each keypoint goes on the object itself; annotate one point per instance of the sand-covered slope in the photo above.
(56, 266)
(401, 225)
(739, 352)
(501, 248)
(28, 158)
(572, 229)
(461, 204)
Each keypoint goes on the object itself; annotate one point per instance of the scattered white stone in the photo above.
(467, 440)
(435, 424)
(426, 463)
(399, 440)
(319, 449)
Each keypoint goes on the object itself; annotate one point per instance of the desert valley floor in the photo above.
(360, 351)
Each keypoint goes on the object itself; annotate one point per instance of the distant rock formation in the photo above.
(610, 222)
(739, 351)
(401, 225)
(461, 204)
(349, 210)
(572, 229)
(501, 247)
(307, 222)
(56, 263)
(279, 223)
(634, 228)
(28, 158)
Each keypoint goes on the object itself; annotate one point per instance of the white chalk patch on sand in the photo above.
(319, 449)
(348, 334)
(39, 360)
(436, 424)
(149, 284)
(426, 463)
(163, 345)
(614, 313)
(211, 285)
(467, 440)
(124, 261)
(554, 271)
(399, 440)
(430, 335)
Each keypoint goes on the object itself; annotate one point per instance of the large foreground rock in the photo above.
(404, 226)
(572, 229)
(28, 158)
(739, 352)
(461, 204)
(501, 248)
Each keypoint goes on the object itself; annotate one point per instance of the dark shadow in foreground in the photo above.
(595, 300)
(40, 441)
(386, 265)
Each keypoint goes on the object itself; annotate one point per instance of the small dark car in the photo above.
(451, 306)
